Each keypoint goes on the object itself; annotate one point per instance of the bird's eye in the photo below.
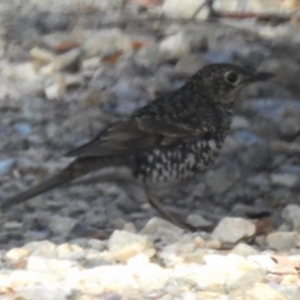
(232, 77)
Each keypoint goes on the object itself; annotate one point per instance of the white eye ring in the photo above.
(232, 78)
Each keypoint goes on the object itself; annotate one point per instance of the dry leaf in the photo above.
(90, 9)
(264, 225)
(284, 265)
(19, 264)
(148, 3)
(111, 59)
(65, 46)
(7, 291)
(136, 44)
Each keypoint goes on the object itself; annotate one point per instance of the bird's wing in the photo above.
(119, 138)
(161, 123)
(134, 135)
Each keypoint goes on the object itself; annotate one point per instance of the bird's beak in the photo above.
(260, 77)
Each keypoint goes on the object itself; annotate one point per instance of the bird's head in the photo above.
(224, 81)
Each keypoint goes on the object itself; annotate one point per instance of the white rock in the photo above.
(184, 9)
(63, 251)
(220, 273)
(60, 62)
(264, 261)
(218, 261)
(255, 6)
(158, 229)
(123, 245)
(27, 71)
(42, 54)
(105, 40)
(175, 46)
(103, 4)
(107, 278)
(258, 292)
(43, 248)
(148, 273)
(17, 253)
(47, 291)
(20, 278)
(138, 261)
(291, 291)
(52, 266)
(91, 63)
(176, 252)
(244, 250)
(56, 88)
(57, 5)
(281, 240)
(54, 91)
(74, 80)
(232, 230)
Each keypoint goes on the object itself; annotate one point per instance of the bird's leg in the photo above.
(166, 215)
(209, 5)
(137, 193)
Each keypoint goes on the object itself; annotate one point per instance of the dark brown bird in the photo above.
(167, 142)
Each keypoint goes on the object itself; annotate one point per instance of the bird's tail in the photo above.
(76, 169)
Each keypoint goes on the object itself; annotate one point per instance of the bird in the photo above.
(163, 144)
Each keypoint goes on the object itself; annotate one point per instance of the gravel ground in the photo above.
(67, 71)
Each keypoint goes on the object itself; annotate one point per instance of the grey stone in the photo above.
(97, 244)
(148, 57)
(231, 230)
(291, 215)
(239, 122)
(280, 241)
(218, 180)
(215, 57)
(244, 250)
(46, 23)
(23, 128)
(260, 181)
(161, 230)
(198, 221)
(285, 180)
(62, 225)
(290, 127)
(105, 40)
(12, 225)
(6, 165)
(256, 156)
(245, 211)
